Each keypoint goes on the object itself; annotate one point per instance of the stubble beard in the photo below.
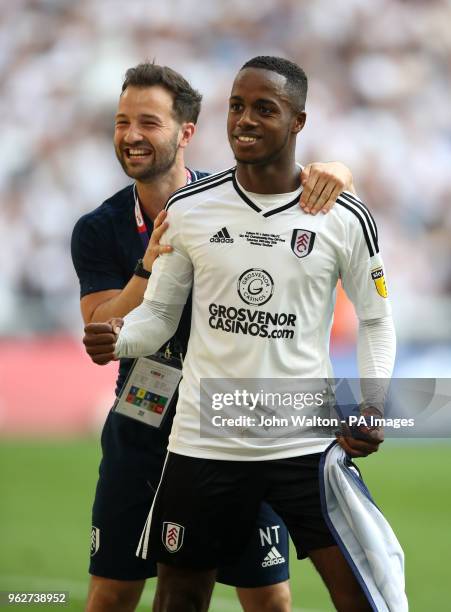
(157, 167)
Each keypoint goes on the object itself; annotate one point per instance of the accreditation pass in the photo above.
(148, 390)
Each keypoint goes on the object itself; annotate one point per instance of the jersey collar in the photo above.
(255, 206)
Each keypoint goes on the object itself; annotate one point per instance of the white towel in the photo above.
(362, 532)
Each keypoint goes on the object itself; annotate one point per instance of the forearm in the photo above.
(122, 303)
(147, 328)
(376, 350)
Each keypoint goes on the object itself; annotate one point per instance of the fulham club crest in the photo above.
(95, 540)
(173, 536)
(302, 242)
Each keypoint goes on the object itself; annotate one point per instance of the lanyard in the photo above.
(140, 223)
(143, 232)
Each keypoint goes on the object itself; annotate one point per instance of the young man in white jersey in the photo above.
(155, 120)
(262, 308)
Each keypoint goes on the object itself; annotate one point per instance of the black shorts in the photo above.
(205, 509)
(128, 477)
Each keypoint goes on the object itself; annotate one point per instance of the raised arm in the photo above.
(150, 325)
(142, 332)
(113, 302)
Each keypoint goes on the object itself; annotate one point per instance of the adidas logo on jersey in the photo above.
(222, 236)
(273, 558)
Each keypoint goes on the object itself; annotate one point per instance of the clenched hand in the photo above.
(100, 340)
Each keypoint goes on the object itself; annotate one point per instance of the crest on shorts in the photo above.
(172, 536)
(302, 242)
(379, 280)
(95, 540)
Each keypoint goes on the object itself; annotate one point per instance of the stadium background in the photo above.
(379, 100)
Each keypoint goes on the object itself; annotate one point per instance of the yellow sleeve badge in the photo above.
(379, 280)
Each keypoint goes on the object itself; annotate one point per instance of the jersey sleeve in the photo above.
(172, 273)
(94, 258)
(361, 267)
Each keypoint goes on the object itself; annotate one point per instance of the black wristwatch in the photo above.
(140, 270)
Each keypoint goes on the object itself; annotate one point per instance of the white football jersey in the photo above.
(263, 282)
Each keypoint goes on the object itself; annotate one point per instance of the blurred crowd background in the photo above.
(379, 100)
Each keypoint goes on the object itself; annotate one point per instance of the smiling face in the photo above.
(262, 124)
(146, 134)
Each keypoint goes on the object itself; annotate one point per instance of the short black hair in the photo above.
(186, 100)
(296, 84)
